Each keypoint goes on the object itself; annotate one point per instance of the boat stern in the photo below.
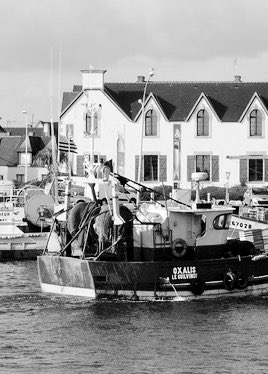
(65, 276)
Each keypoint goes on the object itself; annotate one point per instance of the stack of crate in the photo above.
(257, 236)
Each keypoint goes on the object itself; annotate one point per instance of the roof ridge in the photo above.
(194, 82)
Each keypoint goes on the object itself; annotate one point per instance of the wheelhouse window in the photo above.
(255, 170)
(202, 123)
(255, 123)
(150, 168)
(89, 124)
(202, 163)
(221, 222)
(150, 123)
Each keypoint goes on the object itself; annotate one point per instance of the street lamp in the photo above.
(142, 102)
(26, 146)
(227, 187)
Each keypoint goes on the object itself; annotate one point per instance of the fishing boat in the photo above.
(156, 252)
(25, 220)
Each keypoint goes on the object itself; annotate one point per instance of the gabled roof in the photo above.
(11, 145)
(8, 150)
(20, 131)
(209, 102)
(262, 102)
(177, 99)
(149, 97)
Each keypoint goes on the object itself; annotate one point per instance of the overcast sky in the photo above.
(183, 40)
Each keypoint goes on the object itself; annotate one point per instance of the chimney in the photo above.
(237, 79)
(140, 79)
(92, 78)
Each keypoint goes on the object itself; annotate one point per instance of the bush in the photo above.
(219, 193)
(158, 195)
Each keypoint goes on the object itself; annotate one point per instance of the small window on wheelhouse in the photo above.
(221, 222)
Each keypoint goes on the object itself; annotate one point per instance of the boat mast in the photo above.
(53, 145)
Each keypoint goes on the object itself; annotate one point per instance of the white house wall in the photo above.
(162, 144)
(112, 121)
(228, 140)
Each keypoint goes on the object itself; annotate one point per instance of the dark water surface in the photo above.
(43, 334)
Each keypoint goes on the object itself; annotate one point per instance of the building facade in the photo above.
(217, 127)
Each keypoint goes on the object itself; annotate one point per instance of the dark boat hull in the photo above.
(176, 280)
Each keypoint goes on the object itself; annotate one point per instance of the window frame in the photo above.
(154, 170)
(150, 123)
(203, 161)
(255, 170)
(201, 121)
(221, 222)
(255, 120)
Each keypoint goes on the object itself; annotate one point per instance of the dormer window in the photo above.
(255, 123)
(89, 124)
(150, 123)
(202, 123)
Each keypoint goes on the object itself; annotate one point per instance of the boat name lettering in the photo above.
(4, 214)
(241, 224)
(184, 272)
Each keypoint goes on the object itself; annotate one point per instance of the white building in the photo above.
(218, 127)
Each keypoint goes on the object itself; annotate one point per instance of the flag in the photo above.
(67, 145)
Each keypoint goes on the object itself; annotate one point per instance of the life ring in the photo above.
(229, 280)
(197, 286)
(242, 281)
(179, 248)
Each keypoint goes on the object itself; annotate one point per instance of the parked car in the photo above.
(256, 197)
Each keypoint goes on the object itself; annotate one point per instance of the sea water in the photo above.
(48, 334)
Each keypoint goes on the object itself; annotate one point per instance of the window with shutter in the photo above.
(137, 168)
(80, 166)
(215, 168)
(243, 170)
(190, 167)
(150, 167)
(255, 170)
(202, 164)
(266, 170)
(163, 168)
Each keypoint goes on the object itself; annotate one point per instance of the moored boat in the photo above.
(25, 220)
(176, 252)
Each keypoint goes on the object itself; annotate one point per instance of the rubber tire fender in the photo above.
(242, 281)
(229, 280)
(180, 251)
(197, 286)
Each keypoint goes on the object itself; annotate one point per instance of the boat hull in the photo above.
(176, 280)
(26, 247)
